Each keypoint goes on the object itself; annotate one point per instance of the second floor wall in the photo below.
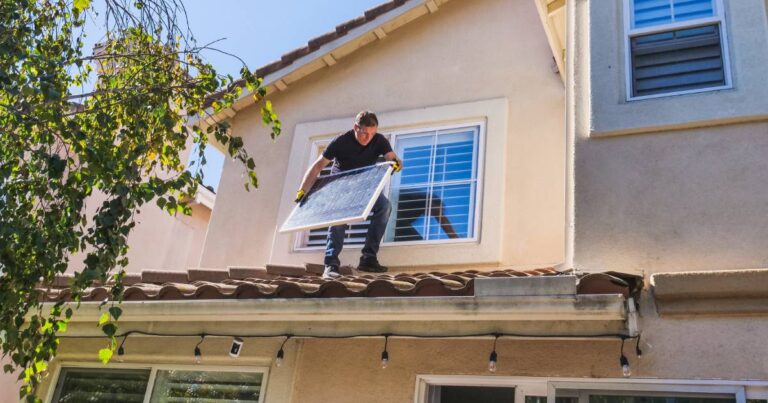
(668, 135)
(478, 74)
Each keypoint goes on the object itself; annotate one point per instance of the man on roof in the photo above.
(356, 148)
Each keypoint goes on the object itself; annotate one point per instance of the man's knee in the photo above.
(386, 206)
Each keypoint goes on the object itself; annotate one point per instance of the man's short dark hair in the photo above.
(367, 119)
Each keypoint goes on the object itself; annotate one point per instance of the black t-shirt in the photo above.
(348, 154)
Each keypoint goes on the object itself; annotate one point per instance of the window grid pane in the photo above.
(99, 385)
(200, 386)
(647, 13)
(434, 197)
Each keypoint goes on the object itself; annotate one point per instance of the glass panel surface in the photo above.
(101, 385)
(206, 386)
(656, 399)
(647, 13)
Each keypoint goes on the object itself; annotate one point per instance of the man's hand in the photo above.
(300, 195)
(397, 166)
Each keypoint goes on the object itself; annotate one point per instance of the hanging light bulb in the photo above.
(638, 352)
(198, 353)
(385, 353)
(121, 350)
(279, 358)
(492, 361)
(623, 361)
(625, 370)
(280, 353)
(384, 359)
(494, 358)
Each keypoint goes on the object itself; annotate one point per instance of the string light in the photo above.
(385, 353)
(198, 353)
(281, 353)
(121, 350)
(624, 362)
(494, 358)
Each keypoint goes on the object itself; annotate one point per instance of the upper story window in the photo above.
(675, 47)
(434, 198)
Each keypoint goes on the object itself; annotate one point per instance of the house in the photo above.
(611, 204)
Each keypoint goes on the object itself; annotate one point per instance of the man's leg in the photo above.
(379, 217)
(334, 244)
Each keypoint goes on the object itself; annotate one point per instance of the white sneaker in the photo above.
(331, 272)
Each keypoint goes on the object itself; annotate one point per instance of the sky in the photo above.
(259, 32)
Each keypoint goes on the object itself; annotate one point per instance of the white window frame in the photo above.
(153, 368)
(630, 32)
(300, 239)
(549, 387)
(478, 173)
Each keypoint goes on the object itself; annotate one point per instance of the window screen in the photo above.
(99, 385)
(677, 60)
(204, 386)
(433, 197)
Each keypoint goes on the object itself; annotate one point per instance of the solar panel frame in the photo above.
(315, 192)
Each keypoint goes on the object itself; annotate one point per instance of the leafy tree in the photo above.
(124, 140)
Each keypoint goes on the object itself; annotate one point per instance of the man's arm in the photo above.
(391, 156)
(445, 223)
(311, 176)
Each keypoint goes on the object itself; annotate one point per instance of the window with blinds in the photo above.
(676, 46)
(434, 196)
(170, 385)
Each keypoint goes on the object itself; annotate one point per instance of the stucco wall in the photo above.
(9, 387)
(467, 51)
(667, 200)
(747, 39)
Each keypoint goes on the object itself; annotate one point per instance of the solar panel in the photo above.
(341, 198)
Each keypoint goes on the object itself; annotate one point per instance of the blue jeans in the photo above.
(378, 218)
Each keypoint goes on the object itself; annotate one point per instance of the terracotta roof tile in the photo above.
(281, 281)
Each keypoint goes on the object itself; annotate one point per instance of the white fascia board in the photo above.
(400, 309)
(352, 35)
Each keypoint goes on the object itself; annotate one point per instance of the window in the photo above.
(434, 198)
(444, 388)
(675, 46)
(158, 385)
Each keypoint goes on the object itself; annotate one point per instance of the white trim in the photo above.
(545, 386)
(153, 368)
(630, 32)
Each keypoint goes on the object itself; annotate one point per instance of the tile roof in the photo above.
(314, 44)
(277, 281)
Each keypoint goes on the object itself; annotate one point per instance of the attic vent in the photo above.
(678, 60)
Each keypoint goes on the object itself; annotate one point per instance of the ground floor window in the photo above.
(500, 389)
(158, 384)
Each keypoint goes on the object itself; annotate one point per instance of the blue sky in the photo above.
(259, 32)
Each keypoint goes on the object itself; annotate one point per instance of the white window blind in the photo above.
(433, 197)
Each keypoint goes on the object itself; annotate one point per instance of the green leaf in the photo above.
(81, 5)
(105, 354)
(109, 329)
(104, 318)
(116, 312)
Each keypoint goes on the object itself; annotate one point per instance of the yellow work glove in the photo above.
(300, 195)
(397, 166)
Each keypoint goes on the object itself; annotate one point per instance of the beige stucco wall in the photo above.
(667, 200)
(9, 387)
(465, 52)
(348, 370)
